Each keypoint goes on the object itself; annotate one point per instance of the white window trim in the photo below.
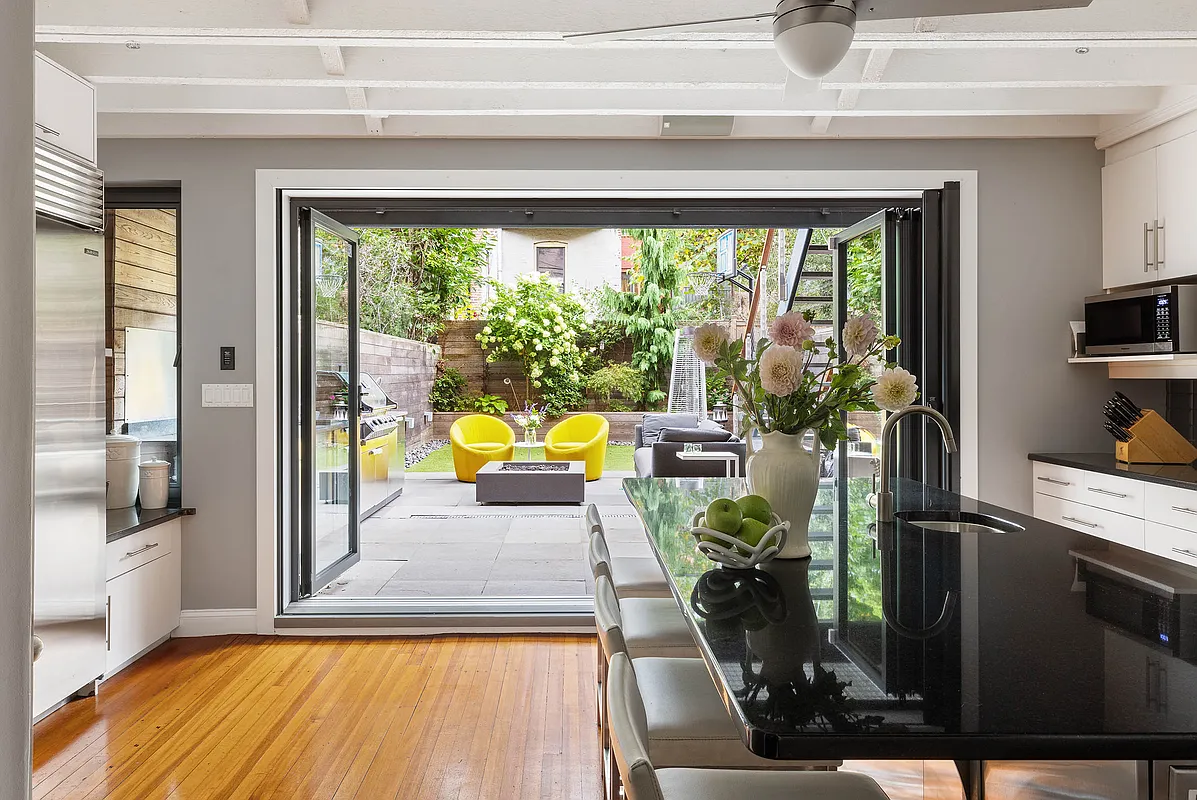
(273, 186)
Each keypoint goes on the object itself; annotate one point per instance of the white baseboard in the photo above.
(216, 621)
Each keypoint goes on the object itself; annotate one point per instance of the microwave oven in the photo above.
(1159, 319)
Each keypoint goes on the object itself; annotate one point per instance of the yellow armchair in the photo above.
(476, 440)
(580, 438)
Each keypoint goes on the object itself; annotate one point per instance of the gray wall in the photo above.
(1040, 253)
(16, 394)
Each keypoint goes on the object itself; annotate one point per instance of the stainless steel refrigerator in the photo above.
(68, 515)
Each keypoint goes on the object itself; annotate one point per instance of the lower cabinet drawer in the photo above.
(1171, 506)
(1112, 493)
(1063, 482)
(1171, 543)
(141, 548)
(1103, 524)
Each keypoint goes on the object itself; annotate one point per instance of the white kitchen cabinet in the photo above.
(144, 592)
(65, 109)
(1176, 236)
(1109, 525)
(1128, 212)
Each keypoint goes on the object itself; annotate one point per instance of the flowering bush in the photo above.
(535, 324)
(781, 392)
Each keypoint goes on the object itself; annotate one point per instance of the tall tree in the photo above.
(649, 314)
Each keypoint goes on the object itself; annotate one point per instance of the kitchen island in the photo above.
(896, 642)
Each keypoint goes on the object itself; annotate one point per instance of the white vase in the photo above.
(787, 475)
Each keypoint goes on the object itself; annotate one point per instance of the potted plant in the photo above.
(787, 398)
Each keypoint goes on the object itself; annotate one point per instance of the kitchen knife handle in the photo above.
(1107, 492)
(1081, 522)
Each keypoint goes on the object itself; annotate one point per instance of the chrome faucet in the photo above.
(885, 497)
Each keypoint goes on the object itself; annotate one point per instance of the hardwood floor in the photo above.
(453, 718)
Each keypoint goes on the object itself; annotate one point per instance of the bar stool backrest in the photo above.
(629, 732)
(594, 523)
(600, 556)
(607, 620)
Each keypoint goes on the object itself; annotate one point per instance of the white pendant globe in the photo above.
(814, 49)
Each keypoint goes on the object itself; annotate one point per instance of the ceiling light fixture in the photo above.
(1080, 51)
(133, 45)
(813, 37)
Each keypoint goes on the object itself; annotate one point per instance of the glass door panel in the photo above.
(332, 476)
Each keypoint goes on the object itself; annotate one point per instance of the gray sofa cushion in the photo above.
(642, 459)
(654, 423)
(702, 434)
(666, 464)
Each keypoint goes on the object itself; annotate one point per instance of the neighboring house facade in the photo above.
(577, 259)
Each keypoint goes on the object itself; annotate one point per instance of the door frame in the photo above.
(275, 189)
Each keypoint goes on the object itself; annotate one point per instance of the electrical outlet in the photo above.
(227, 395)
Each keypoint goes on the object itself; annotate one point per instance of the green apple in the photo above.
(723, 515)
(751, 532)
(753, 506)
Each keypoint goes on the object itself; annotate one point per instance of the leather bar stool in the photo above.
(645, 779)
(632, 577)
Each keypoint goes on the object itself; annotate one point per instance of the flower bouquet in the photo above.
(530, 420)
(792, 386)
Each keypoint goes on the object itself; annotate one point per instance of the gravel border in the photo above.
(421, 451)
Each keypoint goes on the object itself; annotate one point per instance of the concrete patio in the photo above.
(436, 541)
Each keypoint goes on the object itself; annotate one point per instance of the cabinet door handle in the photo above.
(1147, 674)
(1183, 510)
(1161, 688)
(1146, 246)
(46, 130)
(1053, 480)
(1184, 552)
(1108, 493)
(139, 551)
(1159, 244)
(108, 624)
(1081, 522)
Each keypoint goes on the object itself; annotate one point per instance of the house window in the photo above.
(550, 260)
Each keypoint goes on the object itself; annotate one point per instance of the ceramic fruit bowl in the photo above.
(725, 549)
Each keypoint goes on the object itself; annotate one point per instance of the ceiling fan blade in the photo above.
(656, 30)
(909, 9)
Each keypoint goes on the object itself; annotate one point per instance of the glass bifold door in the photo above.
(327, 463)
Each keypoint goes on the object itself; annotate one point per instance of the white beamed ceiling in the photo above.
(488, 68)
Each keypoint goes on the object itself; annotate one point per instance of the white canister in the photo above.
(155, 484)
(123, 454)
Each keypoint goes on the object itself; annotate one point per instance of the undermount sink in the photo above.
(957, 522)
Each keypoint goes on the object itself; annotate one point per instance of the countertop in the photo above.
(1184, 476)
(125, 521)
(810, 669)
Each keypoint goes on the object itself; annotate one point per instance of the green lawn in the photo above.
(619, 457)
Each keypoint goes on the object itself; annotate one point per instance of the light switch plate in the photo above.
(228, 395)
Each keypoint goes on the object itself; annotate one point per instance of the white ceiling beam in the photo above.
(926, 24)
(333, 59)
(623, 127)
(583, 70)
(297, 12)
(387, 102)
(819, 125)
(291, 37)
(874, 68)
(572, 16)
(374, 125)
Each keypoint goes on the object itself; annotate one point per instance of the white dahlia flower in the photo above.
(895, 389)
(781, 370)
(708, 339)
(860, 334)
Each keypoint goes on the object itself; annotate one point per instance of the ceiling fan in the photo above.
(813, 36)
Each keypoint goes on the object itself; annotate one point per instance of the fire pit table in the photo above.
(531, 483)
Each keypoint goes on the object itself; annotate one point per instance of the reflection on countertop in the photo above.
(125, 521)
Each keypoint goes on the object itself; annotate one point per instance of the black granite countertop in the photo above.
(125, 521)
(1184, 476)
(840, 656)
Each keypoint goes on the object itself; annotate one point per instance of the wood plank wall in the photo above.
(141, 258)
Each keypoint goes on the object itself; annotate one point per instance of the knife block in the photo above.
(1154, 441)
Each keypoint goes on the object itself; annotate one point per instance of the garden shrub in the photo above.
(621, 379)
(490, 404)
(448, 390)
